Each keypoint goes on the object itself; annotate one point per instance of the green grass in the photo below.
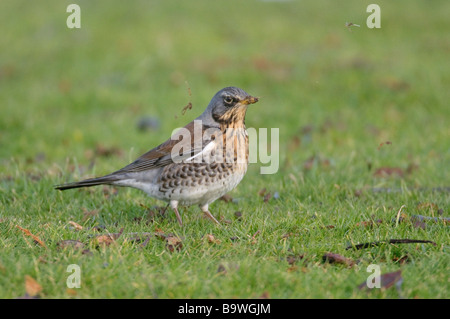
(335, 95)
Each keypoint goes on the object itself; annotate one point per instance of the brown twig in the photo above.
(390, 241)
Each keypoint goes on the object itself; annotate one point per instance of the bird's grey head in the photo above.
(228, 106)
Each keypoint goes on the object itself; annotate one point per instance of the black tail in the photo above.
(108, 179)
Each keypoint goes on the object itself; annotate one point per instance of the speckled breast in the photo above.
(211, 177)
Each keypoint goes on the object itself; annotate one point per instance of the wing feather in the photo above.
(161, 155)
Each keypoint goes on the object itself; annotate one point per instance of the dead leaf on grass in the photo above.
(418, 223)
(395, 84)
(266, 195)
(42, 259)
(35, 238)
(87, 252)
(386, 280)
(108, 239)
(238, 215)
(257, 233)
(292, 268)
(358, 192)
(294, 258)
(265, 295)
(32, 287)
(76, 244)
(173, 243)
(98, 228)
(77, 226)
(333, 258)
(211, 239)
(384, 172)
(104, 240)
(71, 292)
(384, 143)
(411, 168)
(160, 234)
(262, 192)
(222, 270)
(253, 237)
(287, 235)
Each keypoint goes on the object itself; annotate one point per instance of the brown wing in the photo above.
(162, 155)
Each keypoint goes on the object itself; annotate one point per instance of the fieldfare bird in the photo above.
(199, 163)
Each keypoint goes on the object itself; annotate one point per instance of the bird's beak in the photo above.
(250, 100)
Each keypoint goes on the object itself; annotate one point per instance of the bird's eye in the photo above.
(228, 100)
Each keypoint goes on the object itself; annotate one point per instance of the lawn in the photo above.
(364, 148)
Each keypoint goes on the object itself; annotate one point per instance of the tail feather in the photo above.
(88, 182)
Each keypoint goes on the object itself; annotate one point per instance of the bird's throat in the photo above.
(234, 118)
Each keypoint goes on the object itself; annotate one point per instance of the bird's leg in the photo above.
(174, 205)
(205, 210)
